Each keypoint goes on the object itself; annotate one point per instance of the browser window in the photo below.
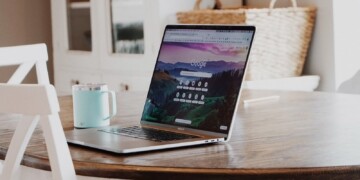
(197, 78)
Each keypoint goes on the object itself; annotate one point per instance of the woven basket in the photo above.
(281, 41)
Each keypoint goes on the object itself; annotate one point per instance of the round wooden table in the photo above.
(302, 135)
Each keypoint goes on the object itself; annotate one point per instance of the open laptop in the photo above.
(193, 95)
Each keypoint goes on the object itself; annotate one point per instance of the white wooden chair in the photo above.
(38, 103)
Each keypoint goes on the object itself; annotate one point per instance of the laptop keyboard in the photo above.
(148, 133)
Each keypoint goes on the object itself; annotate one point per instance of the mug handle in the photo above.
(113, 102)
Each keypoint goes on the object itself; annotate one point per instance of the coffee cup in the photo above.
(92, 106)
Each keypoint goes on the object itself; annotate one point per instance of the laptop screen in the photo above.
(198, 75)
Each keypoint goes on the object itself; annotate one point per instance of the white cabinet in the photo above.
(70, 77)
(90, 42)
(126, 83)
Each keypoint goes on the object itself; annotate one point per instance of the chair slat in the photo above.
(38, 102)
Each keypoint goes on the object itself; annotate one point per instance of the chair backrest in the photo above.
(28, 99)
(39, 103)
(26, 56)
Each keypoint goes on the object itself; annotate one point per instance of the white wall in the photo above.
(346, 39)
(335, 49)
(321, 58)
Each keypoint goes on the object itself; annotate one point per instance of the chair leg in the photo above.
(17, 147)
(61, 163)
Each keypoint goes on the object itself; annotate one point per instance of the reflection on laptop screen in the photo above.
(197, 78)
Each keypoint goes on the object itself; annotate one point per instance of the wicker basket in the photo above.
(281, 42)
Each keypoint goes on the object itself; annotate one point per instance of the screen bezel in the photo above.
(203, 27)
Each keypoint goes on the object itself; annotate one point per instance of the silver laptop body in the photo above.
(195, 91)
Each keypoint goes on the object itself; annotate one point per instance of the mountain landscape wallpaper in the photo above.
(225, 64)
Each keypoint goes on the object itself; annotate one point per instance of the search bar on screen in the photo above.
(196, 74)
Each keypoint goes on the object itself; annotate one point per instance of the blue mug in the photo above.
(91, 105)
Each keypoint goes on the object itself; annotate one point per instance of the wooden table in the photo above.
(302, 136)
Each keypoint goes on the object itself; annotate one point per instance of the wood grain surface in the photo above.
(303, 135)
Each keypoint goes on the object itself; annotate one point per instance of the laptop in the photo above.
(193, 95)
